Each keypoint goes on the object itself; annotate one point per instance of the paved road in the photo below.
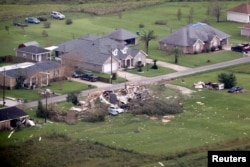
(145, 80)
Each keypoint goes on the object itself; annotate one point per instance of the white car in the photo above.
(57, 15)
(116, 109)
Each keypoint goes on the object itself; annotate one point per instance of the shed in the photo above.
(11, 116)
(32, 43)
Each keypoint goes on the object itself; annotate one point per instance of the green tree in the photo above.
(73, 97)
(139, 65)
(7, 28)
(20, 80)
(177, 52)
(217, 9)
(179, 14)
(147, 37)
(40, 112)
(229, 79)
(154, 65)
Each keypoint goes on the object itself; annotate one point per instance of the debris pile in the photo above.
(209, 85)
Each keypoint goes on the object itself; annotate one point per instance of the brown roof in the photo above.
(245, 25)
(243, 8)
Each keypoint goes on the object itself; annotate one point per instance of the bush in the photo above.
(160, 22)
(73, 97)
(229, 80)
(213, 48)
(68, 22)
(141, 25)
(45, 33)
(46, 24)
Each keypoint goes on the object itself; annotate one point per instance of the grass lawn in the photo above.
(148, 72)
(63, 87)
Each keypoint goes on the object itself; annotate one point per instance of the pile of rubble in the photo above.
(209, 85)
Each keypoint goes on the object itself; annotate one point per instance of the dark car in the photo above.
(41, 18)
(32, 20)
(235, 89)
(89, 77)
(244, 47)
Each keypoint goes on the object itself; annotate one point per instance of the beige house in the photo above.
(240, 13)
(36, 74)
(245, 30)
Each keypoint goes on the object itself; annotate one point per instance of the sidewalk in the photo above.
(168, 65)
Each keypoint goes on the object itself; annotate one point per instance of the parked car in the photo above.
(57, 15)
(244, 47)
(235, 89)
(41, 18)
(89, 77)
(77, 74)
(20, 24)
(117, 109)
(113, 113)
(32, 20)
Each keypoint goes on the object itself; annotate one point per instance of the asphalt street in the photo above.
(144, 80)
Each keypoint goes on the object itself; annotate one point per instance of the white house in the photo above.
(239, 13)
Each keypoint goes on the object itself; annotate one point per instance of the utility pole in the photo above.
(111, 75)
(4, 75)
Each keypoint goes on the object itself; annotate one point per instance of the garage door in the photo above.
(107, 67)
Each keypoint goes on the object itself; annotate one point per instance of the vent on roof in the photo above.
(124, 50)
(115, 52)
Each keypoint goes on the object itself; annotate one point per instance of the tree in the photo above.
(139, 65)
(179, 14)
(7, 28)
(40, 112)
(147, 37)
(155, 67)
(20, 79)
(177, 52)
(229, 80)
(73, 97)
(217, 8)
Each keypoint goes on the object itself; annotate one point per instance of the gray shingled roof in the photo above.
(40, 66)
(189, 34)
(10, 113)
(121, 34)
(33, 49)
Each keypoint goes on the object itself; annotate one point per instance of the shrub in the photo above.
(141, 25)
(46, 24)
(68, 22)
(220, 47)
(73, 97)
(160, 22)
(213, 48)
(229, 80)
(45, 33)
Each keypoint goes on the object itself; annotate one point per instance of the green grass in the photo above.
(62, 87)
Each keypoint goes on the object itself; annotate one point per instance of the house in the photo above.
(11, 117)
(36, 74)
(123, 36)
(245, 30)
(239, 13)
(100, 54)
(195, 38)
(33, 53)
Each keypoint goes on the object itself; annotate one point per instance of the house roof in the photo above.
(34, 43)
(10, 113)
(247, 26)
(30, 70)
(33, 49)
(93, 49)
(188, 35)
(242, 8)
(121, 35)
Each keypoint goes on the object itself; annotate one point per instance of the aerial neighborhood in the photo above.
(160, 79)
